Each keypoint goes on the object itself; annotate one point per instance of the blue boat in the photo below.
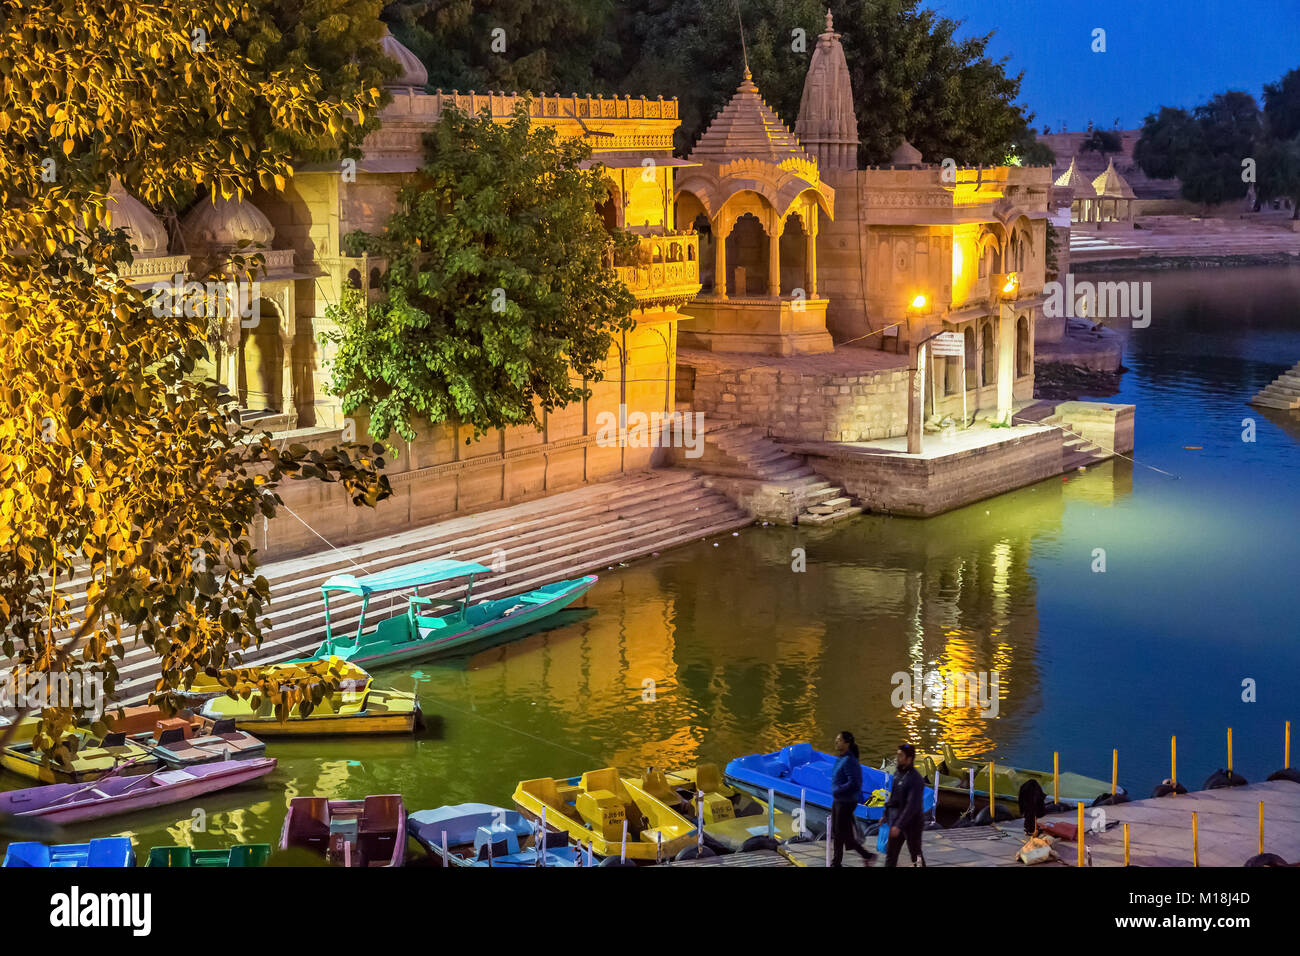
(479, 834)
(799, 773)
(105, 852)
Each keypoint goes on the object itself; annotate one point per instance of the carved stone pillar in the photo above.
(719, 260)
(774, 262)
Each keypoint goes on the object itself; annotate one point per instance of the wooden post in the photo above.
(1126, 844)
(1261, 826)
(1196, 850)
(1080, 834)
(1173, 764)
(1056, 776)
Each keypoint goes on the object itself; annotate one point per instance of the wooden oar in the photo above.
(98, 780)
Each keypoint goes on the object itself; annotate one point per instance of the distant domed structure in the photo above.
(220, 225)
(905, 155)
(827, 126)
(413, 75)
(148, 236)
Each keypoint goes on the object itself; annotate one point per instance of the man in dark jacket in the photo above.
(903, 809)
(846, 794)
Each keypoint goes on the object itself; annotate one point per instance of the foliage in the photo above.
(1279, 172)
(499, 298)
(1205, 149)
(1102, 141)
(116, 467)
(1282, 106)
(912, 78)
(1165, 141)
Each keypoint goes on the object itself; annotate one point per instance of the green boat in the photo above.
(955, 785)
(241, 855)
(415, 632)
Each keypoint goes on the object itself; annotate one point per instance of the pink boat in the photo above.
(110, 796)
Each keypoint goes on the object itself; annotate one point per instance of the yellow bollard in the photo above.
(1056, 776)
(1080, 833)
(1114, 772)
(992, 816)
(1261, 826)
(1196, 849)
(1173, 764)
(1126, 844)
(1230, 751)
(1286, 748)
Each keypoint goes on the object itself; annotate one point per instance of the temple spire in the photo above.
(827, 125)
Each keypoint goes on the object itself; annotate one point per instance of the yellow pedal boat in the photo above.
(357, 708)
(593, 809)
(732, 818)
(91, 758)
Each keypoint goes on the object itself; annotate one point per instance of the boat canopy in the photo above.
(407, 576)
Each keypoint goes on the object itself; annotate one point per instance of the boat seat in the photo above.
(603, 813)
(381, 814)
(708, 779)
(797, 754)
(224, 726)
(655, 783)
(534, 598)
(170, 856)
(170, 736)
(311, 822)
(503, 839)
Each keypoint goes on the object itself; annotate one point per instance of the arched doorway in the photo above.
(990, 355)
(794, 255)
(747, 249)
(261, 362)
(1024, 357)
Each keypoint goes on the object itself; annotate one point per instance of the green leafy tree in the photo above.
(128, 488)
(1279, 172)
(1167, 139)
(499, 298)
(1205, 149)
(1282, 106)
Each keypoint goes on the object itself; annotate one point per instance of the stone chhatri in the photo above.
(1076, 180)
(147, 234)
(219, 224)
(1111, 184)
(827, 125)
(413, 74)
(747, 128)
(905, 155)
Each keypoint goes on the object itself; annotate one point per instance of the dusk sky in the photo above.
(1157, 54)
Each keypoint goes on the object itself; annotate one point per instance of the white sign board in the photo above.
(949, 343)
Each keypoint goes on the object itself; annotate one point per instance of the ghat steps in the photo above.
(744, 452)
(1076, 451)
(1283, 392)
(560, 536)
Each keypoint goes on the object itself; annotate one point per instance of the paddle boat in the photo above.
(957, 791)
(90, 758)
(185, 739)
(800, 778)
(114, 795)
(733, 819)
(104, 852)
(479, 834)
(351, 833)
(599, 809)
(240, 855)
(416, 631)
(356, 708)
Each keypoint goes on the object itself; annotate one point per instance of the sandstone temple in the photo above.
(874, 327)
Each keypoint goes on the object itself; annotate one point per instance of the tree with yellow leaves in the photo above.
(127, 484)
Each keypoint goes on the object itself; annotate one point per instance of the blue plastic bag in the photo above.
(882, 837)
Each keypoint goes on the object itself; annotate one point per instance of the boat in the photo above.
(185, 739)
(118, 794)
(599, 809)
(800, 779)
(956, 792)
(356, 708)
(104, 852)
(88, 758)
(479, 834)
(415, 631)
(351, 833)
(239, 855)
(733, 819)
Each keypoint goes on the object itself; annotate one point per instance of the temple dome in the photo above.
(1112, 185)
(905, 155)
(222, 224)
(747, 128)
(1076, 180)
(827, 125)
(412, 75)
(147, 235)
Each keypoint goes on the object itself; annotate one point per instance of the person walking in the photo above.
(903, 809)
(846, 794)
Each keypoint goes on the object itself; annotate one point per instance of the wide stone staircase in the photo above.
(585, 531)
(772, 482)
(1283, 392)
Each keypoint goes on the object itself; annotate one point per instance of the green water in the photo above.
(719, 648)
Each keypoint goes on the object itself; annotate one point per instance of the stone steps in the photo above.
(561, 536)
(1283, 392)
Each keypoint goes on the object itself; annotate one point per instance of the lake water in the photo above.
(721, 648)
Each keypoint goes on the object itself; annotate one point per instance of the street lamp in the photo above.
(1007, 294)
(916, 383)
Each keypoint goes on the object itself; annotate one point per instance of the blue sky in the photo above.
(1157, 53)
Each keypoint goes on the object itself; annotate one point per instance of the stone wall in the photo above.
(798, 403)
(922, 486)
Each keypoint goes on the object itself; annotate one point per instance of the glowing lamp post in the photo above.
(1007, 292)
(916, 384)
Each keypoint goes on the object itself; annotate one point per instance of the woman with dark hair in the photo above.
(846, 794)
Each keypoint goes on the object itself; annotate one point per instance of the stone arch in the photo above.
(747, 249)
(261, 361)
(611, 210)
(794, 255)
(989, 340)
(972, 354)
(1024, 350)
